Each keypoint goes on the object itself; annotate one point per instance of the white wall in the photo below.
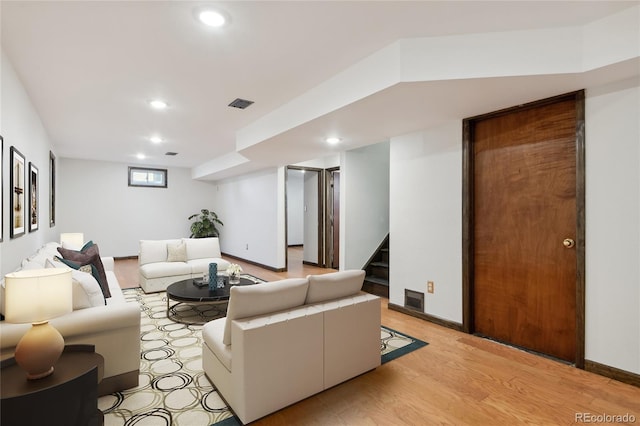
(94, 198)
(249, 206)
(295, 207)
(426, 217)
(21, 127)
(364, 203)
(613, 225)
(426, 222)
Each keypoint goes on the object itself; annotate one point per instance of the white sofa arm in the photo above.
(108, 263)
(78, 323)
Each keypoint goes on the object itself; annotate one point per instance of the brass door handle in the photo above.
(568, 243)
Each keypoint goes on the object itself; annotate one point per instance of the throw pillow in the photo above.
(91, 256)
(86, 290)
(177, 252)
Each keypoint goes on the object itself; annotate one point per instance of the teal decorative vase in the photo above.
(213, 276)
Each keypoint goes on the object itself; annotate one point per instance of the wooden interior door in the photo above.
(524, 227)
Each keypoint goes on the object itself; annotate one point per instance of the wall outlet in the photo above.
(430, 287)
(246, 247)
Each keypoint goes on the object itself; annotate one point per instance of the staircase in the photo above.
(376, 280)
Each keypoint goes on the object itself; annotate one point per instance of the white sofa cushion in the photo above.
(152, 251)
(212, 334)
(86, 291)
(334, 285)
(258, 299)
(202, 248)
(164, 269)
(201, 266)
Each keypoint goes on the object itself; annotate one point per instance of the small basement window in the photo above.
(153, 178)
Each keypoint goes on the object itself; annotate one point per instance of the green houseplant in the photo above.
(205, 224)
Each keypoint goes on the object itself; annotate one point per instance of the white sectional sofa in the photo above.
(164, 262)
(284, 341)
(112, 325)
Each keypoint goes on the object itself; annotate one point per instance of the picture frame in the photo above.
(1, 188)
(33, 217)
(52, 190)
(17, 197)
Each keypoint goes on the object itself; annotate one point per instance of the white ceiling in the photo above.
(90, 67)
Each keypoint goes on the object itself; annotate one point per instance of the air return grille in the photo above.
(170, 153)
(240, 103)
(414, 300)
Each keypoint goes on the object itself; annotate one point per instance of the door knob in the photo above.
(568, 243)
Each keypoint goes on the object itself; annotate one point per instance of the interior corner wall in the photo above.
(364, 203)
(426, 217)
(249, 207)
(94, 198)
(613, 225)
(20, 126)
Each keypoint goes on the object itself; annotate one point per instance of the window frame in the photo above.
(135, 169)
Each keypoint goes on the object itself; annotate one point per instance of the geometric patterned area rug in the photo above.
(394, 344)
(173, 389)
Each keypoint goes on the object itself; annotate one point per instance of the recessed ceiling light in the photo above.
(155, 139)
(141, 156)
(211, 17)
(158, 104)
(333, 140)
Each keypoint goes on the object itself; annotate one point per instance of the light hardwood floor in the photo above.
(458, 379)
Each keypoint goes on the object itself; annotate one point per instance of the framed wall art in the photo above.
(52, 190)
(1, 188)
(34, 222)
(16, 198)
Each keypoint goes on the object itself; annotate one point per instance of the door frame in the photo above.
(468, 325)
(320, 210)
(328, 213)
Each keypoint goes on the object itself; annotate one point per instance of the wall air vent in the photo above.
(240, 103)
(414, 300)
(170, 153)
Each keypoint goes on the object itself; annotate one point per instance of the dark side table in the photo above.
(69, 396)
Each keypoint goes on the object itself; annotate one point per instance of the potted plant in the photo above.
(205, 224)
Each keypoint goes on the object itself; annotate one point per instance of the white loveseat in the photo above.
(284, 341)
(164, 262)
(113, 327)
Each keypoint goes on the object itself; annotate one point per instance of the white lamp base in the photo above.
(39, 349)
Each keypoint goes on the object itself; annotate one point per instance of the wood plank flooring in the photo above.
(458, 379)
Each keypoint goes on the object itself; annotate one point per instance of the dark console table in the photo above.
(69, 396)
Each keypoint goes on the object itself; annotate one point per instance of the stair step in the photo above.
(377, 280)
(384, 249)
(380, 264)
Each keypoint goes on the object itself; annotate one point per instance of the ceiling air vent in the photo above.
(171, 153)
(240, 103)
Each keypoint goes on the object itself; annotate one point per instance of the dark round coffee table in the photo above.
(186, 291)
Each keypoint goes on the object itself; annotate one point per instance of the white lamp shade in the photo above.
(72, 240)
(37, 295)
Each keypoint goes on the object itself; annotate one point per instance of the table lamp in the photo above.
(72, 240)
(35, 296)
